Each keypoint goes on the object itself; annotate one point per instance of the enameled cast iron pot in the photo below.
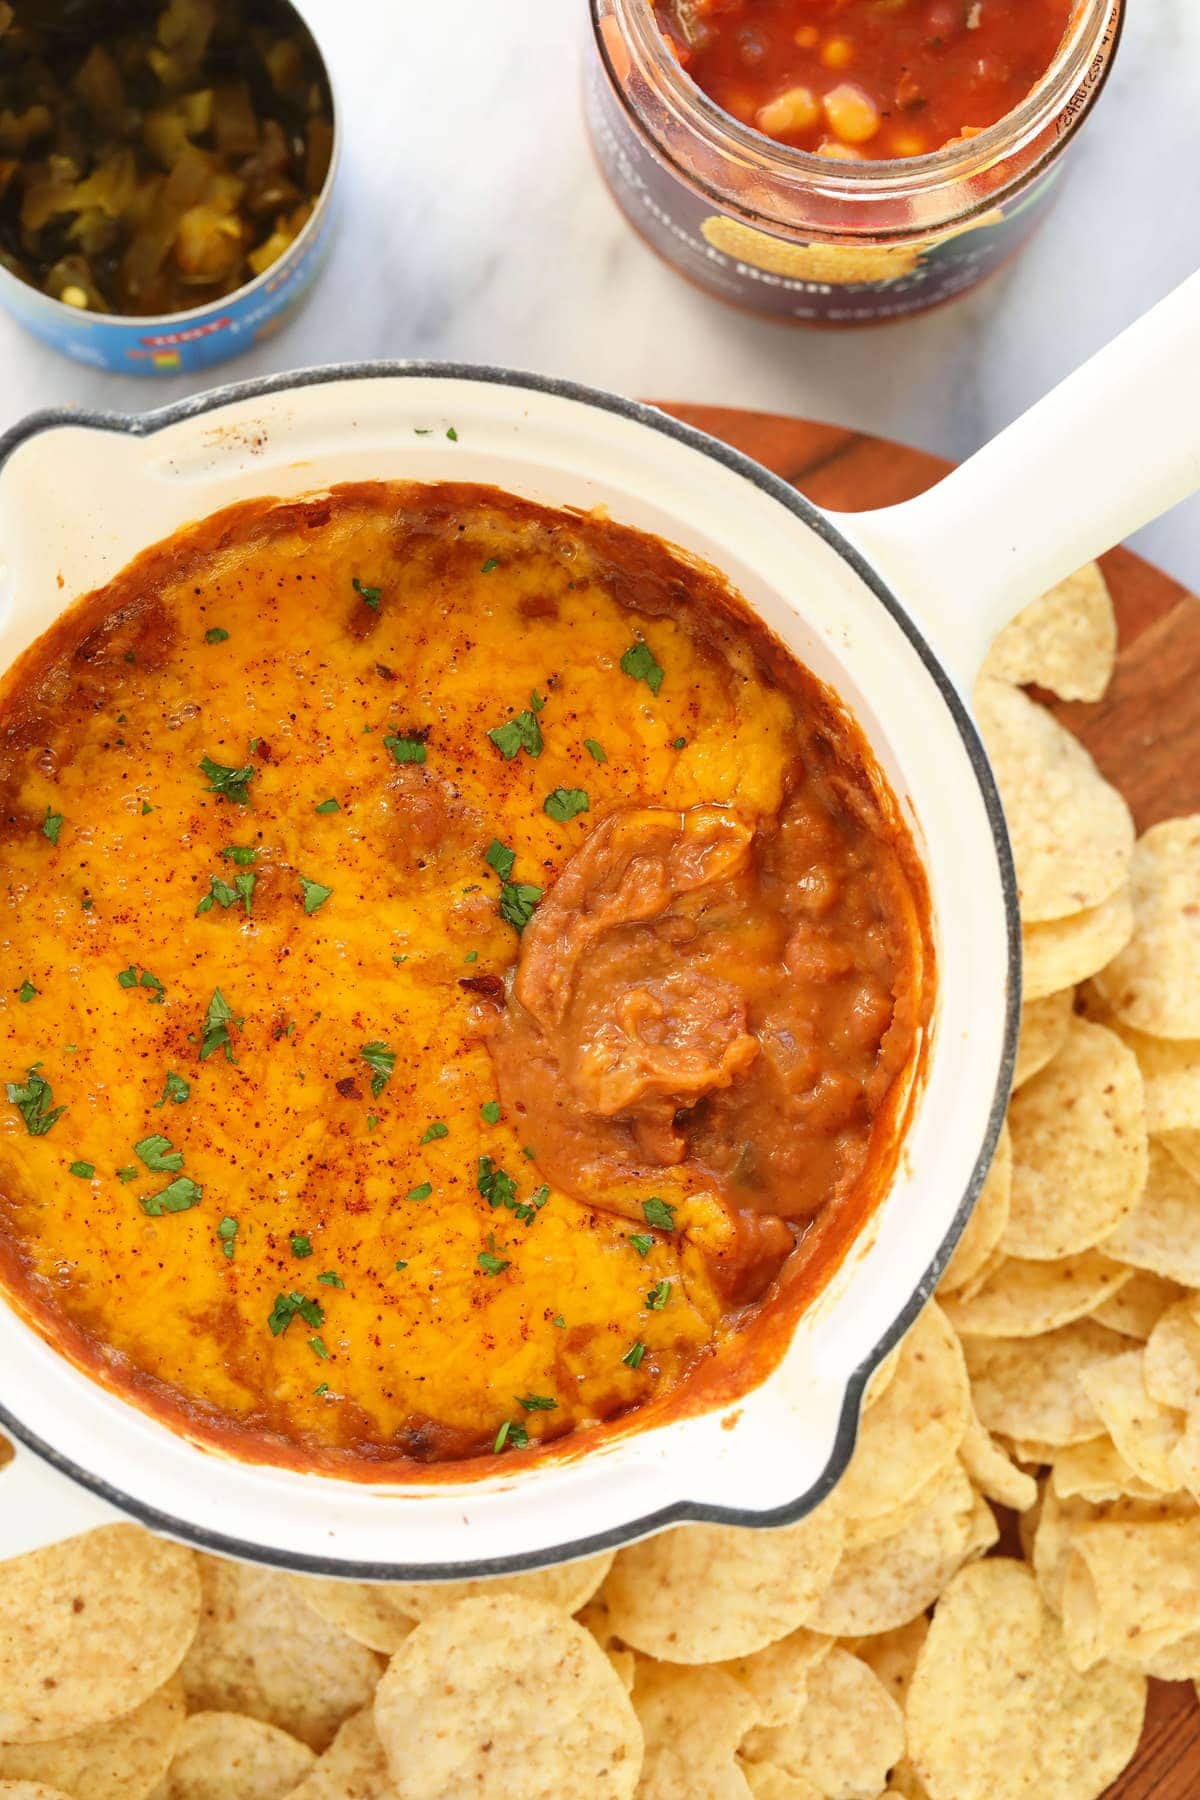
(893, 608)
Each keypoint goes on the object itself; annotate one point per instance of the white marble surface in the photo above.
(475, 228)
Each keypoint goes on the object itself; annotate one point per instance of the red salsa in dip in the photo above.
(866, 79)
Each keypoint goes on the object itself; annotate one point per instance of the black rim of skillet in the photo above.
(680, 1511)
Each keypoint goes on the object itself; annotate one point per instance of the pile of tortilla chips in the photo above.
(875, 1649)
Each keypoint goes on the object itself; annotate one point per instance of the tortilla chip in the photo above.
(1137, 1307)
(889, 1583)
(256, 1650)
(776, 1677)
(1072, 833)
(1058, 953)
(1170, 1077)
(226, 1756)
(1026, 1299)
(693, 1720)
(353, 1768)
(1153, 984)
(508, 1698)
(993, 1472)
(985, 1227)
(1096, 1472)
(1144, 1432)
(1162, 1232)
(1044, 1026)
(996, 1711)
(893, 1655)
(711, 1593)
(848, 1737)
(116, 1761)
(915, 1429)
(381, 1614)
(1049, 1544)
(1065, 641)
(90, 1628)
(1079, 1147)
(1033, 1388)
(1131, 1588)
(1171, 1360)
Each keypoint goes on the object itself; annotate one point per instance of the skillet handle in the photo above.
(1113, 446)
(38, 1506)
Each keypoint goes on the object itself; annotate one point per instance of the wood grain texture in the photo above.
(1145, 736)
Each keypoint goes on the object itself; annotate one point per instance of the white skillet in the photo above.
(894, 608)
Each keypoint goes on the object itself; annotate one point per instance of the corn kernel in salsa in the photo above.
(854, 79)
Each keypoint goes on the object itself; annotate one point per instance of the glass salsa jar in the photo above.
(800, 236)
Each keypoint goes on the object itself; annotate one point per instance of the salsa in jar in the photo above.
(866, 78)
(841, 162)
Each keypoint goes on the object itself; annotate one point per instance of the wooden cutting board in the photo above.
(1145, 736)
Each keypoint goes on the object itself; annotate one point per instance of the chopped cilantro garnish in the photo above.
(330, 1278)
(146, 808)
(452, 434)
(317, 1346)
(328, 806)
(493, 562)
(471, 956)
(321, 1389)
(224, 895)
(227, 1231)
(288, 1306)
(535, 700)
(656, 1212)
(633, 1356)
(315, 895)
(228, 783)
(406, 749)
(216, 1028)
(33, 1100)
(422, 1191)
(658, 1296)
(26, 992)
(512, 1435)
(489, 1112)
(372, 1121)
(639, 664)
(181, 1194)
(242, 854)
(679, 743)
(129, 1173)
(369, 594)
(128, 978)
(642, 1244)
(216, 634)
(381, 1061)
(498, 856)
(516, 734)
(156, 1152)
(400, 1265)
(52, 824)
(435, 1130)
(496, 1185)
(536, 1402)
(596, 751)
(565, 803)
(85, 1170)
(491, 1264)
(177, 1089)
(518, 903)
(301, 1245)
(559, 1322)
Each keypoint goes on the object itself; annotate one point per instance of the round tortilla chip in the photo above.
(1066, 640)
(122, 1760)
(1144, 1432)
(914, 1430)
(1022, 1298)
(1044, 1025)
(1153, 984)
(985, 1227)
(776, 1677)
(1072, 833)
(509, 1698)
(1170, 1076)
(889, 1583)
(993, 1471)
(711, 1593)
(996, 1711)
(1137, 1307)
(353, 1768)
(1079, 1147)
(1162, 1232)
(1032, 1387)
(1059, 953)
(693, 1720)
(1096, 1472)
(1171, 1360)
(226, 1756)
(90, 1628)
(1130, 1588)
(256, 1650)
(848, 1736)
(367, 1611)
